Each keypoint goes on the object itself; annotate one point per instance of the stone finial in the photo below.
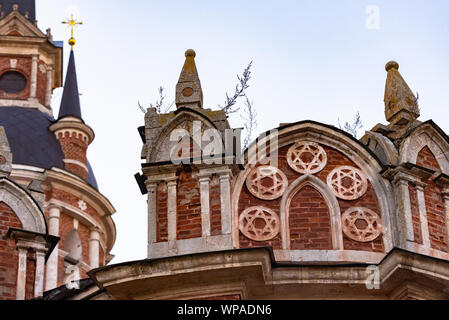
(5, 155)
(188, 90)
(401, 105)
(49, 35)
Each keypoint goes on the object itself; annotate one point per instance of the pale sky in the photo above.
(318, 60)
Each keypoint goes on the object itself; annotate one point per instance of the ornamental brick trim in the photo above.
(348, 183)
(362, 224)
(267, 183)
(307, 158)
(259, 223)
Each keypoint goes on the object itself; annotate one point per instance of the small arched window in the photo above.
(73, 246)
(12, 82)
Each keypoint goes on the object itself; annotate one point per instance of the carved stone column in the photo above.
(445, 194)
(33, 84)
(423, 214)
(39, 276)
(94, 248)
(405, 222)
(225, 193)
(172, 212)
(152, 212)
(21, 273)
(48, 90)
(51, 281)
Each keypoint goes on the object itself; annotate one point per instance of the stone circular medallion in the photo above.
(361, 224)
(307, 157)
(348, 183)
(267, 183)
(187, 92)
(259, 224)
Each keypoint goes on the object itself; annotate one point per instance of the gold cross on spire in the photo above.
(72, 23)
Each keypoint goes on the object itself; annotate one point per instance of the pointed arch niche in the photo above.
(328, 197)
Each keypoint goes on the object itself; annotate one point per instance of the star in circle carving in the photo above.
(259, 224)
(307, 157)
(362, 224)
(348, 183)
(267, 183)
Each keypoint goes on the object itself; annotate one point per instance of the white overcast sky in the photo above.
(312, 60)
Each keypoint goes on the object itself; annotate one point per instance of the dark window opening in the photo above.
(12, 82)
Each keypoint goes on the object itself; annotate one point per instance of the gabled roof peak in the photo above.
(26, 7)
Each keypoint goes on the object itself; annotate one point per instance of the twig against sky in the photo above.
(250, 118)
(241, 87)
(354, 127)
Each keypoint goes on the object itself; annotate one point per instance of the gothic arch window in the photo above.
(422, 137)
(331, 202)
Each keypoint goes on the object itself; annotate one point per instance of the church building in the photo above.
(306, 212)
(55, 224)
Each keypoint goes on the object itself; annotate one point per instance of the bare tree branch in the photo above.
(250, 118)
(354, 127)
(141, 108)
(160, 106)
(241, 87)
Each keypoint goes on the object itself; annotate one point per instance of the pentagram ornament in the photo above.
(307, 157)
(362, 224)
(348, 183)
(259, 224)
(267, 183)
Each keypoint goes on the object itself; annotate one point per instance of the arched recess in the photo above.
(23, 205)
(426, 136)
(73, 245)
(332, 204)
(160, 150)
(357, 152)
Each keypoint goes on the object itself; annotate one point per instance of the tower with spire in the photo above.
(73, 134)
(55, 225)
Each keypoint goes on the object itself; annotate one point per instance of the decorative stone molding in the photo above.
(267, 183)
(362, 224)
(307, 158)
(5, 154)
(74, 127)
(356, 152)
(425, 136)
(348, 183)
(259, 223)
(23, 205)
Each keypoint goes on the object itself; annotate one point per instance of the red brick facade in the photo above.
(161, 205)
(9, 257)
(189, 224)
(436, 216)
(215, 206)
(74, 147)
(310, 226)
(23, 66)
(188, 207)
(309, 220)
(66, 224)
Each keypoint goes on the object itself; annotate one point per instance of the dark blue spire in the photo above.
(70, 103)
(25, 6)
